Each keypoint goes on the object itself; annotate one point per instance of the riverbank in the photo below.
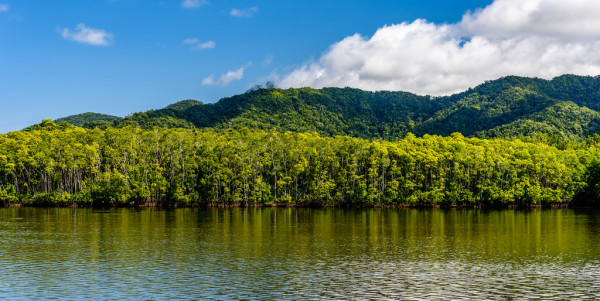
(291, 205)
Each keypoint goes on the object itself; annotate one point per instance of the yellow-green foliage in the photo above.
(130, 166)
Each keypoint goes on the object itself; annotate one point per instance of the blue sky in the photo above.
(59, 58)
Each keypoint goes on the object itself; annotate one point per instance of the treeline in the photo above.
(67, 165)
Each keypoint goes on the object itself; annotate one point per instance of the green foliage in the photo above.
(81, 119)
(564, 119)
(590, 194)
(323, 147)
(329, 111)
(183, 105)
(56, 165)
(508, 107)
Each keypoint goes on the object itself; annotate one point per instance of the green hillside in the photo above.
(253, 149)
(517, 106)
(564, 119)
(81, 119)
(566, 106)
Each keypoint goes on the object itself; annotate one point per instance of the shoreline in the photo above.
(313, 206)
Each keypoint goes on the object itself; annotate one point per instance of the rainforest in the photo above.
(514, 142)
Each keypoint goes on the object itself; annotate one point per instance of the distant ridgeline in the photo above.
(82, 119)
(566, 107)
(326, 147)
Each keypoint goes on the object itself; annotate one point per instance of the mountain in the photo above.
(166, 117)
(518, 106)
(81, 119)
(183, 105)
(567, 106)
(329, 111)
(564, 119)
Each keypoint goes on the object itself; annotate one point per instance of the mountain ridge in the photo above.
(567, 106)
(83, 118)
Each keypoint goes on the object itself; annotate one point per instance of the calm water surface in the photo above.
(298, 254)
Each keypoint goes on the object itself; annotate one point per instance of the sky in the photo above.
(59, 58)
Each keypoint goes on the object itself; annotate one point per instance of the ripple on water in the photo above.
(304, 254)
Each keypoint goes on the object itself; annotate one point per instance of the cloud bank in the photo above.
(542, 38)
(88, 35)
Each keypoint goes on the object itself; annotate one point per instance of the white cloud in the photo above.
(244, 12)
(573, 19)
(232, 76)
(543, 38)
(193, 3)
(197, 45)
(227, 78)
(4, 7)
(209, 81)
(190, 41)
(206, 45)
(88, 35)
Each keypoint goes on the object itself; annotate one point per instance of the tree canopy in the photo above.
(68, 165)
(508, 107)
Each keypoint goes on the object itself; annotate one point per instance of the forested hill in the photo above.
(567, 106)
(81, 119)
(329, 111)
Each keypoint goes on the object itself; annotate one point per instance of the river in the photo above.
(298, 253)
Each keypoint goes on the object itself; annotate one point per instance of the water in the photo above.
(287, 253)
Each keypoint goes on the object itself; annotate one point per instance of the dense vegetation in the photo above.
(523, 141)
(67, 165)
(566, 107)
(81, 119)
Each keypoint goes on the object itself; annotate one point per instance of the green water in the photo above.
(298, 254)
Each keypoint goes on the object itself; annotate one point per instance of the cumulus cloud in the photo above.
(574, 19)
(232, 76)
(193, 3)
(542, 38)
(226, 78)
(4, 7)
(197, 45)
(88, 35)
(244, 12)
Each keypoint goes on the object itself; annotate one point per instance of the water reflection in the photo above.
(289, 253)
